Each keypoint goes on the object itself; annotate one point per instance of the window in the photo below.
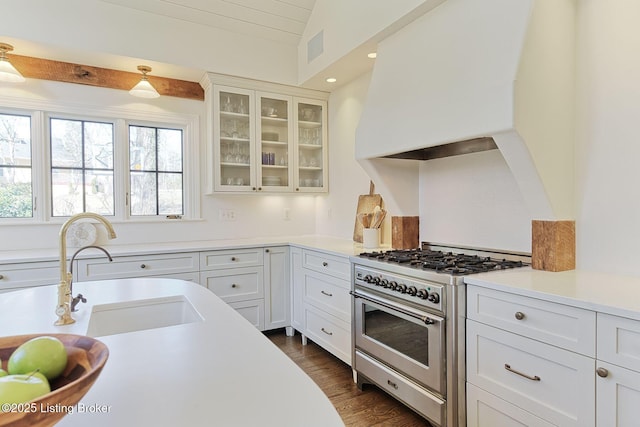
(81, 167)
(16, 192)
(155, 159)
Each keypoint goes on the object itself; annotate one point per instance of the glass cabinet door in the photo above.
(234, 139)
(275, 142)
(311, 172)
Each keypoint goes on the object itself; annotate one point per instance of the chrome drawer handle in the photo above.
(143, 266)
(602, 372)
(326, 332)
(326, 293)
(529, 377)
(234, 258)
(519, 315)
(233, 285)
(325, 263)
(392, 384)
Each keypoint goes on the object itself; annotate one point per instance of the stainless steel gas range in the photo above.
(409, 323)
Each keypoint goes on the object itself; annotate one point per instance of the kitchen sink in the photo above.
(139, 315)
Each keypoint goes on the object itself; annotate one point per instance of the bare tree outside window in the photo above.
(155, 161)
(81, 167)
(16, 192)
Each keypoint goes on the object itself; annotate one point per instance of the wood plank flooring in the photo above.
(368, 408)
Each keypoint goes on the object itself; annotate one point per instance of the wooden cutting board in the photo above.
(366, 203)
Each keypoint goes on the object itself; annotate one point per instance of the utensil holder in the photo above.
(370, 238)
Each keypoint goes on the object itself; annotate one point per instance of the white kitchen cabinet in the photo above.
(175, 265)
(265, 137)
(528, 360)
(23, 275)
(321, 304)
(276, 287)
(618, 371)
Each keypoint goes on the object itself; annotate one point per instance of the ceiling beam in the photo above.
(45, 69)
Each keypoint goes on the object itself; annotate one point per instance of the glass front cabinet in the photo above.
(267, 141)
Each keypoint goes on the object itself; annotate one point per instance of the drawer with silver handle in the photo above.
(235, 285)
(323, 293)
(213, 260)
(327, 264)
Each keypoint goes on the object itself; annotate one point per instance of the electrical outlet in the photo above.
(286, 214)
(227, 215)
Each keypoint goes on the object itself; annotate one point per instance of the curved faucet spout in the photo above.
(63, 308)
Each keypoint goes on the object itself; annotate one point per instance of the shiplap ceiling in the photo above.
(278, 20)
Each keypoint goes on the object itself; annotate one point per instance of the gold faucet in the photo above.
(63, 308)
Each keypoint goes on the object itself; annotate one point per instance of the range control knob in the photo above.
(376, 281)
(393, 285)
(422, 293)
(412, 291)
(402, 288)
(434, 297)
(385, 283)
(368, 278)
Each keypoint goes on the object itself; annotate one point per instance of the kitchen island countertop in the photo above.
(219, 371)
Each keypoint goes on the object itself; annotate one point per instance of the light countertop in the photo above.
(329, 244)
(602, 292)
(221, 371)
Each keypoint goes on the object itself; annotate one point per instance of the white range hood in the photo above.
(469, 71)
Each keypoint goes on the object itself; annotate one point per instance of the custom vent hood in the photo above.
(474, 75)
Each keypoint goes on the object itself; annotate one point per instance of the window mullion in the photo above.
(121, 175)
(41, 172)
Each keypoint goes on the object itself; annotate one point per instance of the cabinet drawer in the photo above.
(547, 381)
(486, 410)
(238, 284)
(22, 275)
(403, 389)
(253, 311)
(330, 333)
(327, 264)
(327, 295)
(215, 260)
(557, 324)
(137, 266)
(619, 341)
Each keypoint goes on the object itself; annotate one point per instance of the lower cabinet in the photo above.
(320, 300)
(581, 370)
(24, 275)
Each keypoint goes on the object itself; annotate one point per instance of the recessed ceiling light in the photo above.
(331, 80)
(372, 55)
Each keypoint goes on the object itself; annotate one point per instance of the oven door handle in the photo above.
(404, 310)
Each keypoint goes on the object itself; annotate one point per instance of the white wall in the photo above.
(608, 147)
(257, 215)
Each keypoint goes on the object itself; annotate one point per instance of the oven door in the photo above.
(408, 340)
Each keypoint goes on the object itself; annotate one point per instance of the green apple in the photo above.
(22, 388)
(3, 373)
(45, 354)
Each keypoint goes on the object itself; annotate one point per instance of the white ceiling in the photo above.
(278, 20)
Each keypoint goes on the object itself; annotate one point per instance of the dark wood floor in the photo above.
(367, 408)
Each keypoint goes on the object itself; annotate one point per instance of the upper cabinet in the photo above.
(265, 137)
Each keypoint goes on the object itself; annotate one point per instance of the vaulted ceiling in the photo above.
(278, 20)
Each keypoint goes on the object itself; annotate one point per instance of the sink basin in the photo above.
(139, 315)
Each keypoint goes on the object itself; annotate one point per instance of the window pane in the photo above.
(142, 148)
(98, 145)
(15, 193)
(169, 150)
(66, 143)
(66, 192)
(143, 193)
(170, 193)
(99, 192)
(16, 198)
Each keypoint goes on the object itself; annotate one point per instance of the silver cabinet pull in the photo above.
(519, 315)
(233, 285)
(392, 384)
(325, 263)
(234, 258)
(326, 293)
(266, 250)
(143, 266)
(602, 372)
(529, 377)
(326, 332)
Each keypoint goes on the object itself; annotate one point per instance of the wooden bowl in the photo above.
(85, 359)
